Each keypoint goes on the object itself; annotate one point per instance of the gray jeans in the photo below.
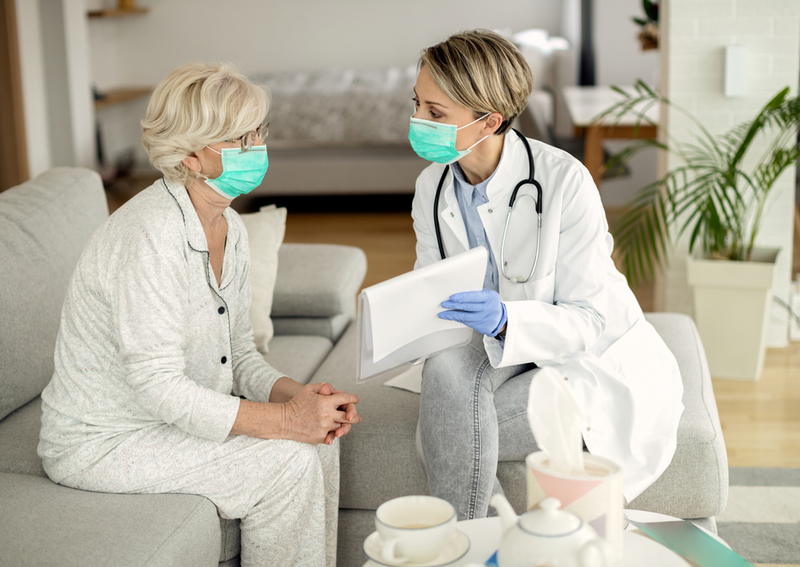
(471, 417)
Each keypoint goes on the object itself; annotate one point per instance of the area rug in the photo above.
(762, 519)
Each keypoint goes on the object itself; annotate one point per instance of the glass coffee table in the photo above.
(484, 537)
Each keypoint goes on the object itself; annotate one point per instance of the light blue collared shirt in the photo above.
(469, 198)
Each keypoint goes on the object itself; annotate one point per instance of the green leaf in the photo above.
(651, 9)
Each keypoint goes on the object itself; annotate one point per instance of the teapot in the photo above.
(548, 536)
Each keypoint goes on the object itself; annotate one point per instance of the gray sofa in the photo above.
(44, 225)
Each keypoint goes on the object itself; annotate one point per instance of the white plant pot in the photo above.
(731, 310)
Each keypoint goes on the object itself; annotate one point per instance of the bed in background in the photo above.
(340, 131)
(345, 131)
(340, 107)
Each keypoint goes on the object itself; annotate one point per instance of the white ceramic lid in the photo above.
(549, 520)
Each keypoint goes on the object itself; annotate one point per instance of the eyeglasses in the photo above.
(248, 140)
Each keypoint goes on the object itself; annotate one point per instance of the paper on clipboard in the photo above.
(397, 319)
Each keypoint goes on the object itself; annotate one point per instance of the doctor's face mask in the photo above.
(436, 142)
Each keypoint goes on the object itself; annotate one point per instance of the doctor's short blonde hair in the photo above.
(483, 71)
(197, 105)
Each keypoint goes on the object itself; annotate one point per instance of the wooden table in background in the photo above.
(584, 104)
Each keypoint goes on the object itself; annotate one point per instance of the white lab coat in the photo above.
(576, 313)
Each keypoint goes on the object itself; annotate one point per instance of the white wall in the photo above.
(697, 33)
(81, 107)
(56, 82)
(619, 60)
(54, 58)
(261, 36)
(33, 87)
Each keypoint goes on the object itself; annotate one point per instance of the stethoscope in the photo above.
(529, 181)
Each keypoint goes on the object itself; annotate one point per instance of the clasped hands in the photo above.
(482, 310)
(319, 413)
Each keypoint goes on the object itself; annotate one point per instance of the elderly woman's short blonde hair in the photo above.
(482, 71)
(194, 106)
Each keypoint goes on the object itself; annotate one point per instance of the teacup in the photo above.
(414, 528)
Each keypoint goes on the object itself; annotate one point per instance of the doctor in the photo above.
(575, 312)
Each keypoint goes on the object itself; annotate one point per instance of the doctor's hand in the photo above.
(481, 310)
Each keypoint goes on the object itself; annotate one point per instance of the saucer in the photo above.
(453, 550)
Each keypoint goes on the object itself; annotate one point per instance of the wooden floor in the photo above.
(760, 420)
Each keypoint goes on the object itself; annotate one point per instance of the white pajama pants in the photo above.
(286, 493)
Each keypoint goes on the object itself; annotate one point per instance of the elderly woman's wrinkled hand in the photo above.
(319, 413)
(351, 414)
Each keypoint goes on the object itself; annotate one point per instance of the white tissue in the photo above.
(555, 419)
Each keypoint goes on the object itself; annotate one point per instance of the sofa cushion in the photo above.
(265, 230)
(354, 527)
(45, 524)
(19, 437)
(329, 327)
(231, 539)
(298, 357)
(46, 223)
(327, 289)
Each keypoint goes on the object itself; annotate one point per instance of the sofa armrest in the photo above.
(47, 524)
(316, 287)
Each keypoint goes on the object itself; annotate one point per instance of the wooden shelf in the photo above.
(117, 12)
(118, 96)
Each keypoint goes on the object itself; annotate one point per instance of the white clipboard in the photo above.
(397, 319)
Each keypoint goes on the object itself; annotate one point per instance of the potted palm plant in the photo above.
(717, 195)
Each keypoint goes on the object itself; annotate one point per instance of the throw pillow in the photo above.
(265, 231)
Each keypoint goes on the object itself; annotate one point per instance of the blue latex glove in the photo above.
(481, 310)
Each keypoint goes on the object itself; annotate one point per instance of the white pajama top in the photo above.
(147, 337)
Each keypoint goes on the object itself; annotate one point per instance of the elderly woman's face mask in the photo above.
(242, 171)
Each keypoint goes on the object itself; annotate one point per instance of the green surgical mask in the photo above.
(241, 171)
(436, 142)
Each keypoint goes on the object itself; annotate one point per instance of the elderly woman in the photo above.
(158, 387)
(552, 296)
